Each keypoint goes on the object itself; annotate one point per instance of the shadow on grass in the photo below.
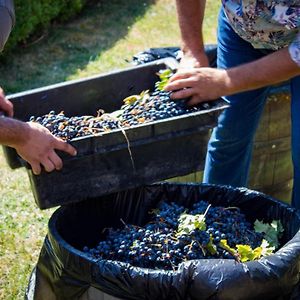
(69, 47)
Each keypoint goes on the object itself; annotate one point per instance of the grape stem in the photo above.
(125, 225)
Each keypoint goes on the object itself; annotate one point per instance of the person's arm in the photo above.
(190, 18)
(34, 143)
(203, 84)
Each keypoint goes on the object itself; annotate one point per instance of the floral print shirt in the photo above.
(267, 24)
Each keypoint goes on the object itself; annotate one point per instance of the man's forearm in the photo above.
(12, 132)
(271, 69)
(190, 18)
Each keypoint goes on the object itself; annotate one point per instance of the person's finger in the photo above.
(48, 165)
(194, 100)
(56, 160)
(180, 84)
(36, 168)
(181, 94)
(64, 146)
(7, 107)
(180, 75)
(10, 108)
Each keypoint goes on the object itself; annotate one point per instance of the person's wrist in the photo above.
(196, 58)
(197, 53)
(228, 84)
(21, 133)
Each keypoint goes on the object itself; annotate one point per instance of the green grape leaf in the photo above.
(272, 232)
(188, 223)
(223, 244)
(245, 253)
(131, 99)
(164, 76)
(266, 248)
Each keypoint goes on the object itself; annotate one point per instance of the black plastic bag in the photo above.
(152, 54)
(65, 272)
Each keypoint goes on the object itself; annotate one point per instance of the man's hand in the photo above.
(5, 106)
(204, 84)
(39, 149)
(200, 84)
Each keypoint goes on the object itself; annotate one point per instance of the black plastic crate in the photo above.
(107, 163)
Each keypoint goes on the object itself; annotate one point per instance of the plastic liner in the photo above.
(65, 272)
(153, 54)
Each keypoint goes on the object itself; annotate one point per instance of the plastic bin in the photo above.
(104, 164)
(63, 271)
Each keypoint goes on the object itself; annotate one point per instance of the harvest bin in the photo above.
(108, 163)
(63, 271)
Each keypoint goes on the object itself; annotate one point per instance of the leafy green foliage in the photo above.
(188, 223)
(143, 96)
(266, 248)
(223, 244)
(33, 17)
(245, 253)
(164, 77)
(242, 253)
(272, 232)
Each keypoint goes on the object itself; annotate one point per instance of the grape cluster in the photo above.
(157, 106)
(68, 128)
(158, 244)
(228, 223)
(137, 109)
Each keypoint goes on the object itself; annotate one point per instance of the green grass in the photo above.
(101, 39)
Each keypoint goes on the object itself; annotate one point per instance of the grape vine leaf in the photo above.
(143, 96)
(246, 253)
(272, 232)
(131, 99)
(224, 244)
(164, 76)
(267, 249)
(188, 223)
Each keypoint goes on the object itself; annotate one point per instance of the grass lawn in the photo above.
(104, 37)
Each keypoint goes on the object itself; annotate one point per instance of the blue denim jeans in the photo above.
(230, 146)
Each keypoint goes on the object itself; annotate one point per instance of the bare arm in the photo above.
(203, 84)
(190, 18)
(34, 143)
(271, 69)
